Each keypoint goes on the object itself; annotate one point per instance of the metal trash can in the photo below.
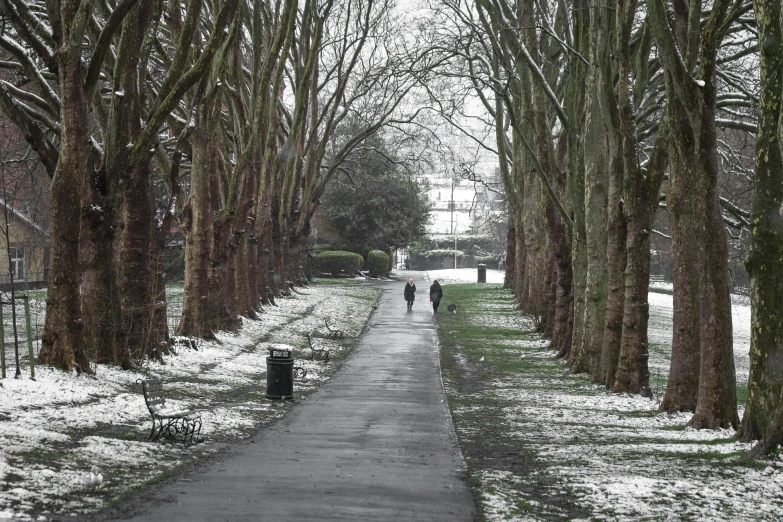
(280, 374)
(482, 273)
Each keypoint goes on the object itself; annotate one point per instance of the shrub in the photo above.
(490, 261)
(323, 247)
(338, 262)
(377, 263)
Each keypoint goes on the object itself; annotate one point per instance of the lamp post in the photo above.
(454, 181)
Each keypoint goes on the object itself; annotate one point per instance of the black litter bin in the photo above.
(482, 273)
(280, 374)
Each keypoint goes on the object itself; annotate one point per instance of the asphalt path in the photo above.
(375, 443)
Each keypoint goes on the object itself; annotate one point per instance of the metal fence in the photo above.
(21, 327)
(31, 281)
(31, 307)
(175, 293)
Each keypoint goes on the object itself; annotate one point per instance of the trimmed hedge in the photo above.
(378, 263)
(490, 261)
(323, 247)
(338, 262)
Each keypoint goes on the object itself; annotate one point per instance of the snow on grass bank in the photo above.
(543, 444)
(464, 275)
(660, 334)
(55, 430)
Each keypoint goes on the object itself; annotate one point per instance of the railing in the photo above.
(21, 339)
(32, 280)
(35, 311)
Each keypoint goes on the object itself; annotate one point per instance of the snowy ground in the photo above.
(59, 428)
(570, 450)
(464, 275)
(660, 327)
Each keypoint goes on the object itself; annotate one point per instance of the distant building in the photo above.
(465, 207)
(26, 255)
(24, 198)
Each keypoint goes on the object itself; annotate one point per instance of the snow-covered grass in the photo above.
(57, 429)
(543, 444)
(464, 275)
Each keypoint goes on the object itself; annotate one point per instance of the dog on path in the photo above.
(453, 309)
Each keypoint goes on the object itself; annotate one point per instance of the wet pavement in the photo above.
(375, 443)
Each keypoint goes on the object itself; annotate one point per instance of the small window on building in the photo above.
(17, 262)
(438, 196)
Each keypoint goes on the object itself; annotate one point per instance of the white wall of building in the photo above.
(469, 207)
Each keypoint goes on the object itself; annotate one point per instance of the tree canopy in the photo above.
(385, 209)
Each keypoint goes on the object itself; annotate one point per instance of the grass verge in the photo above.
(541, 444)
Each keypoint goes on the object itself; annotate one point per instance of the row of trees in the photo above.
(604, 114)
(223, 118)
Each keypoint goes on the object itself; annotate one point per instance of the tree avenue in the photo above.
(209, 117)
(226, 120)
(603, 115)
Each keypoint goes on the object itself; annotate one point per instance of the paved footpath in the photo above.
(375, 443)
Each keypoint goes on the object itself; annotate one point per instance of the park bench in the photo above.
(300, 373)
(168, 420)
(333, 333)
(315, 352)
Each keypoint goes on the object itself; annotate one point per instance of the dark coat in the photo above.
(436, 293)
(410, 291)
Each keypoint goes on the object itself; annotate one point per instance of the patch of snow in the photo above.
(465, 275)
(56, 428)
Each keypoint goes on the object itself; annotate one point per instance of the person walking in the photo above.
(436, 294)
(410, 293)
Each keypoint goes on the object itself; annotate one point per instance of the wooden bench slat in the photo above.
(153, 387)
(154, 395)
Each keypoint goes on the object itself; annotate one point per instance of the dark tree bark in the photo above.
(62, 343)
(613, 328)
(198, 225)
(763, 418)
(633, 372)
(511, 247)
(100, 291)
(695, 142)
(683, 385)
(587, 353)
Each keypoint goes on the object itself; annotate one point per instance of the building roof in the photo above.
(23, 217)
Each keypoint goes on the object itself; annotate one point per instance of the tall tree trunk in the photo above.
(617, 227)
(587, 356)
(242, 270)
(263, 248)
(158, 335)
(243, 264)
(100, 304)
(763, 416)
(633, 373)
(198, 227)
(717, 400)
(62, 344)
(279, 249)
(137, 300)
(616, 259)
(716, 406)
(694, 137)
(222, 250)
(683, 385)
(575, 106)
(511, 247)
